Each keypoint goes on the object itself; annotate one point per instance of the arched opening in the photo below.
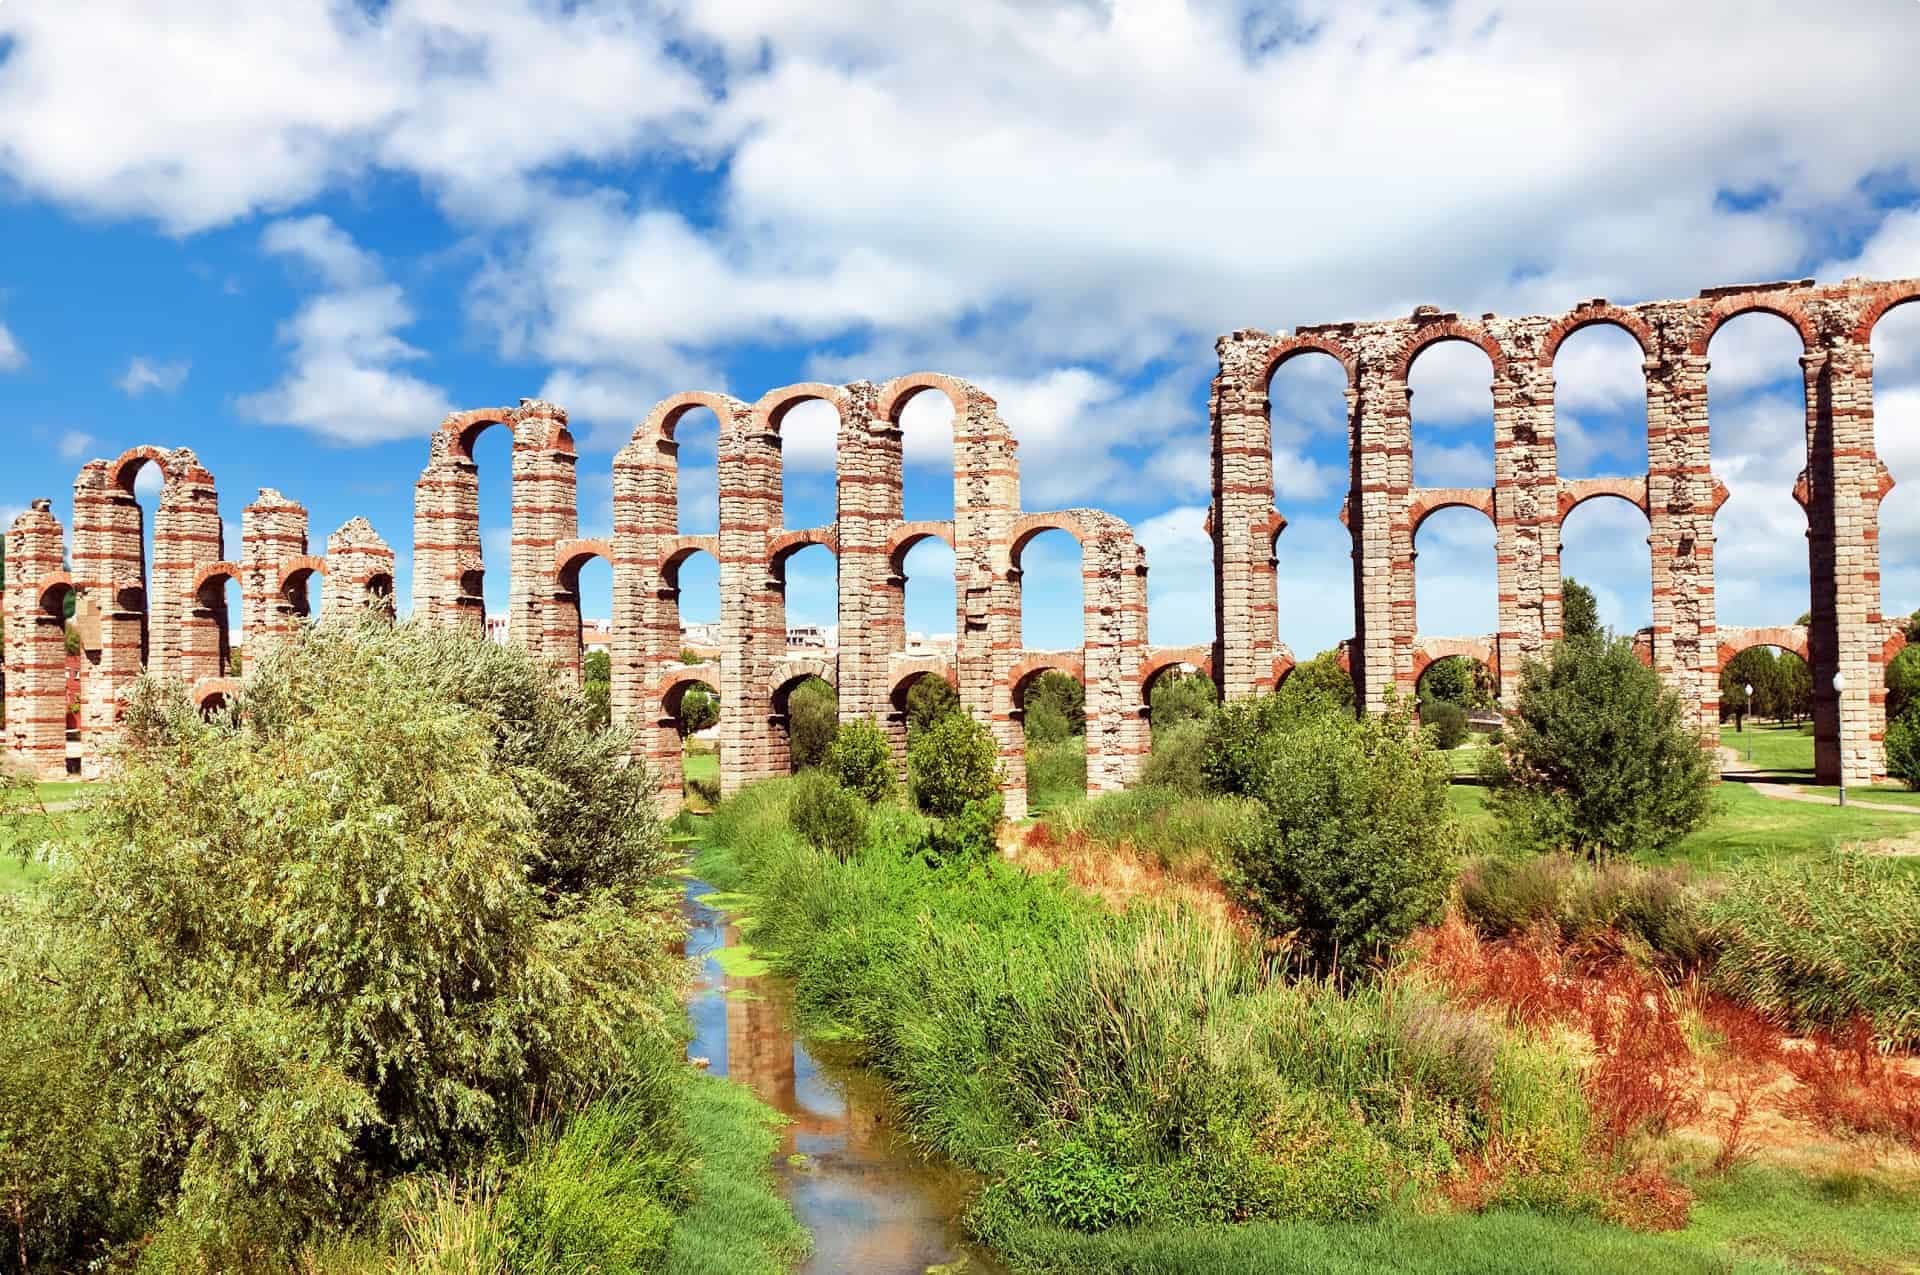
(1766, 713)
(1896, 438)
(380, 592)
(588, 581)
(927, 570)
(305, 593)
(1177, 695)
(806, 716)
(927, 457)
(1052, 704)
(1603, 548)
(809, 446)
(1450, 402)
(233, 659)
(692, 580)
(491, 446)
(807, 580)
(697, 471)
(920, 699)
(1314, 560)
(147, 485)
(1600, 403)
(1456, 586)
(1455, 696)
(1756, 410)
(1052, 591)
(694, 708)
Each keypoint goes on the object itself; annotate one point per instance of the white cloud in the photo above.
(74, 444)
(145, 374)
(347, 380)
(12, 357)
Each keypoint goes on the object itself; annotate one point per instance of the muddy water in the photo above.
(871, 1204)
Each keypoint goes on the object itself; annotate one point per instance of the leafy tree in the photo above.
(1238, 752)
(1579, 610)
(1355, 846)
(1447, 720)
(1756, 667)
(1459, 679)
(953, 762)
(1179, 697)
(1795, 687)
(1055, 708)
(813, 715)
(1903, 749)
(596, 684)
(928, 700)
(1600, 755)
(699, 709)
(1903, 682)
(1320, 683)
(828, 816)
(398, 907)
(861, 758)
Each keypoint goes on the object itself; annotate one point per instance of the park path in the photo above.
(1733, 764)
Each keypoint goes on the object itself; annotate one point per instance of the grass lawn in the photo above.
(1786, 748)
(1887, 794)
(1749, 825)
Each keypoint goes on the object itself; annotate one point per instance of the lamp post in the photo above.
(1839, 733)
(1748, 712)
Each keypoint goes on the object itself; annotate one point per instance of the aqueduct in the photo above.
(175, 622)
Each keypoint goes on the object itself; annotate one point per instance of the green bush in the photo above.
(1660, 907)
(1181, 699)
(1903, 747)
(1355, 845)
(1240, 737)
(1817, 945)
(828, 816)
(861, 758)
(596, 687)
(1055, 707)
(1318, 686)
(1447, 720)
(371, 939)
(1178, 759)
(930, 698)
(1175, 828)
(1600, 756)
(813, 717)
(953, 762)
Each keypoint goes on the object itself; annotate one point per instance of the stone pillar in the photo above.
(1114, 586)
(752, 626)
(36, 643)
(1842, 485)
(1377, 509)
(114, 628)
(359, 572)
(273, 532)
(1246, 609)
(868, 496)
(1526, 507)
(183, 644)
(1681, 500)
(545, 513)
(449, 571)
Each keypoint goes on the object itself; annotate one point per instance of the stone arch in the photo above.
(1762, 301)
(1021, 677)
(571, 555)
(908, 534)
(50, 594)
(218, 573)
(1027, 526)
(667, 414)
(1441, 330)
(1164, 660)
(904, 673)
(214, 693)
(1591, 314)
(895, 395)
(1430, 651)
(1886, 297)
(1427, 501)
(1733, 639)
(787, 677)
(783, 546)
(1575, 492)
(297, 574)
(1290, 348)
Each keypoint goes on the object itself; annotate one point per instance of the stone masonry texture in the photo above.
(174, 624)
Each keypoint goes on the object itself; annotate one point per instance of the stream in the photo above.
(871, 1203)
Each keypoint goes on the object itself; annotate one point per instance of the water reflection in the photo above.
(871, 1204)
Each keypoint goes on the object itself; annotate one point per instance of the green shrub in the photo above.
(971, 834)
(953, 762)
(1816, 945)
(1180, 699)
(1355, 844)
(1241, 735)
(1074, 1186)
(1661, 907)
(1055, 707)
(1600, 757)
(930, 698)
(1318, 686)
(1447, 720)
(369, 942)
(861, 758)
(828, 816)
(813, 718)
(1177, 761)
(1165, 824)
(1903, 747)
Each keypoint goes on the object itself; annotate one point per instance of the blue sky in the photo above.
(291, 236)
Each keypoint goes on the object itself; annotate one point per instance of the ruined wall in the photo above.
(1840, 489)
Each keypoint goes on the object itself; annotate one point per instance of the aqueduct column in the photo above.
(448, 571)
(1843, 483)
(986, 500)
(868, 494)
(1681, 500)
(273, 531)
(1379, 501)
(1114, 638)
(1526, 503)
(181, 643)
(359, 571)
(752, 631)
(1245, 600)
(36, 642)
(114, 656)
(545, 513)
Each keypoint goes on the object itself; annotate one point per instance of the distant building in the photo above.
(496, 629)
(813, 637)
(930, 644)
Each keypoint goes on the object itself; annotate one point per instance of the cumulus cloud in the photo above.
(346, 380)
(144, 374)
(74, 444)
(12, 357)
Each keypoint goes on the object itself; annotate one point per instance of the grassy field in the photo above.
(1786, 749)
(1749, 825)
